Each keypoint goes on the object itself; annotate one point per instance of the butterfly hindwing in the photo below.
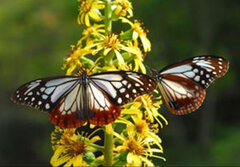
(104, 110)
(72, 110)
(181, 95)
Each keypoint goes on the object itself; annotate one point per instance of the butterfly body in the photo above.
(73, 100)
(183, 84)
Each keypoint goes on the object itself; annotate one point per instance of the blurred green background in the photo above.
(36, 35)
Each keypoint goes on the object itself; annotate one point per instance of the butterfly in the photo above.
(183, 84)
(73, 100)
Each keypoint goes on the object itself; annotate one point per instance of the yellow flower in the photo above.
(141, 127)
(73, 60)
(139, 32)
(92, 32)
(115, 68)
(123, 7)
(112, 44)
(70, 147)
(90, 9)
(138, 58)
(131, 108)
(138, 61)
(151, 105)
(139, 149)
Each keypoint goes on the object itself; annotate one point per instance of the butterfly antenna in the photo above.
(152, 70)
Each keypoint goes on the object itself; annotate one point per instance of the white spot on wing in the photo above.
(119, 100)
(44, 97)
(137, 84)
(61, 107)
(74, 107)
(190, 74)
(117, 84)
(111, 77)
(31, 87)
(178, 69)
(124, 82)
(195, 70)
(30, 94)
(60, 90)
(106, 86)
(49, 90)
(122, 90)
(136, 79)
(98, 95)
(176, 87)
(205, 64)
(56, 82)
(71, 97)
(42, 89)
(47, 106)
(197, 78)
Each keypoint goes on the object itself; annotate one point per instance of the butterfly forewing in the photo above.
(202, 69)
(44, 94)
(182, 84)
(123, 87)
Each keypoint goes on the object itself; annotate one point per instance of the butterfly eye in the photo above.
(183, 84)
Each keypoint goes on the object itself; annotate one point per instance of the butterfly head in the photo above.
(155, 74)
(84, 75)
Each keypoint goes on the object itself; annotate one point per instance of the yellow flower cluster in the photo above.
(71, 148)
(134, 137)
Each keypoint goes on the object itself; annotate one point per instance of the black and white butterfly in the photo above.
(183, 84)
(73, 100)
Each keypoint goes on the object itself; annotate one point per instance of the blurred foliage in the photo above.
(36, 35)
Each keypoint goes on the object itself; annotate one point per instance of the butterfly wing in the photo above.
(44, 94)
(110, 90)
(72, 112)
(181, 95)
(124, 86)
(182, 84)
(60, 96)
(98, 101)
(202, 69)
(71, 103)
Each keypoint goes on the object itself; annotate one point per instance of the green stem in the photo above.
(108, 136)
(99, 148)
(108, 16)
(108, 146)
